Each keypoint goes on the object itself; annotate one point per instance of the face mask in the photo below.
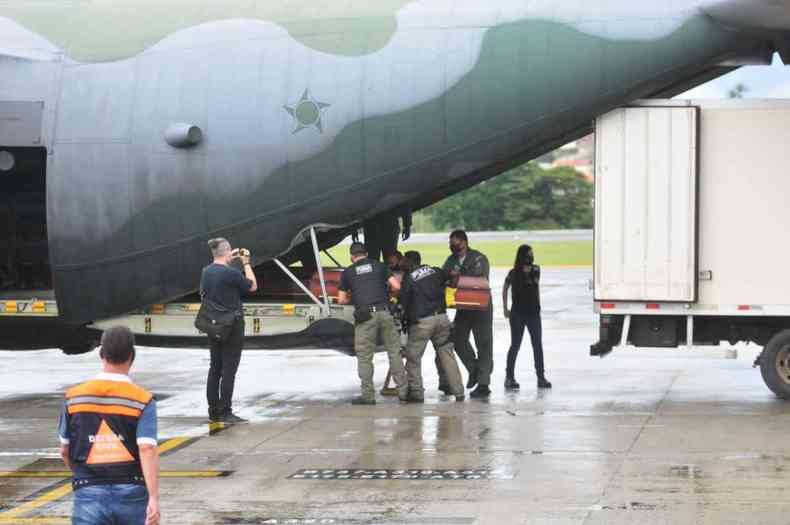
(455, 248)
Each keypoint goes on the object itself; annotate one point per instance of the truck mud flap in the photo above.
(610, 331)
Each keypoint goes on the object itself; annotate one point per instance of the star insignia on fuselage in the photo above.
(307, 113)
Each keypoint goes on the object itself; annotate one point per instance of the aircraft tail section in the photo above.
(753, 14)
(768, 18)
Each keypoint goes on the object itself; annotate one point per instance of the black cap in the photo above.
(357, 248)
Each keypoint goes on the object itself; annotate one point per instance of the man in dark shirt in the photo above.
(222, 285)
(423, 300)
(366, 281)
(468, 262)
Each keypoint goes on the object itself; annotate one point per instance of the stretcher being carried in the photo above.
(472, 293)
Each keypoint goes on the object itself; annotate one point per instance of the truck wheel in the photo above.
(775, 364)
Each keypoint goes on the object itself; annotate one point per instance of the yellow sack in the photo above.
(449, 296)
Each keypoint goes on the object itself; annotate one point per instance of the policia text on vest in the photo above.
(422, 297)
(108, 436)
(365, 283)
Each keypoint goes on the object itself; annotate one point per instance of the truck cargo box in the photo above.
(689, 208)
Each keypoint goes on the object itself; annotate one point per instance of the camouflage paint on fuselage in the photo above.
(91, 31)
(436, 101)
(111, 30)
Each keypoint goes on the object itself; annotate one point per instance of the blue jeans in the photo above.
(110, 505)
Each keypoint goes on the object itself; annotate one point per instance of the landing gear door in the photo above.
(646, 204)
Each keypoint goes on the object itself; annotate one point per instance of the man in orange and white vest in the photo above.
(108, 436)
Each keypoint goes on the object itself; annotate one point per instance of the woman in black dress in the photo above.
(524, 278)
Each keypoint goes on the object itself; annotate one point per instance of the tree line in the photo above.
(525, 198)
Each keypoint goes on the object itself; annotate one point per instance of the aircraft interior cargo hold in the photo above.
(24, 260)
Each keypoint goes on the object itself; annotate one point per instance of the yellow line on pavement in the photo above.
(194, 474)
(30, 506)
(60, 474)
(170, 444)
(64, 490)
(35, 521)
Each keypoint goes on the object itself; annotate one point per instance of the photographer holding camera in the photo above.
(221, 287)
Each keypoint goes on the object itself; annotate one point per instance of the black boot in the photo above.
(229, 417)
(481, 391)
(511, 383)
(472, 378)
(543, 382)
(214, 415)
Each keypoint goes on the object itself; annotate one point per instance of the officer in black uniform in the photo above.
(472, 263)
(382, 232)
(423, 300)
(366, 280)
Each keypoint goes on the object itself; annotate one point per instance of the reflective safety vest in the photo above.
(103, 417)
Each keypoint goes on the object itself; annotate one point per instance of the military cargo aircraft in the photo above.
(133, 131)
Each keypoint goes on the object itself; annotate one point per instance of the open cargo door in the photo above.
(24, 247)
(646, 204)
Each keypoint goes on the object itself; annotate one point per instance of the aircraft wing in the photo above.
(26, 54)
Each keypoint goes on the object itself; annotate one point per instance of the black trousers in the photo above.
(532, 322)
(381, 237)
(481, 325)
(225, 358)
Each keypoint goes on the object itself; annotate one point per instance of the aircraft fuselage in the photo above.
(310, 118)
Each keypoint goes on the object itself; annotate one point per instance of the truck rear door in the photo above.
(646, 204)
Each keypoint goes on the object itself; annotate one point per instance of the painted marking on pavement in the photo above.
(36, 521)
(235, 519)
(466, 474)
(63, 488)
(60, 474)
(175, 444)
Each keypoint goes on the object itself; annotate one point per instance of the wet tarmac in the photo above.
(643, 436)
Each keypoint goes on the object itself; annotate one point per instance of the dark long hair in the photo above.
(521, 256)
(520, 262)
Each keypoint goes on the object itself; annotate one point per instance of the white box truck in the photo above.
(692, 228)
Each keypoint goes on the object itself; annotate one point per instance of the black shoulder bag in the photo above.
(214, 320)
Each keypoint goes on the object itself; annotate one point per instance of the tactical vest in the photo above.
(103, 417)
(368, 282)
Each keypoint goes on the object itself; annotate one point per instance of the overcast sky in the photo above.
(762, 82)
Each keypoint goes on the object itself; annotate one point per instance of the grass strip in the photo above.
(500, 253)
